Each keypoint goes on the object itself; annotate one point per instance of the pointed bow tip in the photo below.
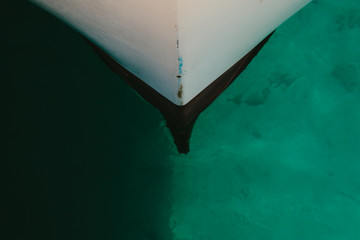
(183, 147)
(181, 132)
(182, 139)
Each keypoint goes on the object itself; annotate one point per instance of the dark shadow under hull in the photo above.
(181, 119)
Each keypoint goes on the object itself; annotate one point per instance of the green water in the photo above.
(277, 156)
(79, 162)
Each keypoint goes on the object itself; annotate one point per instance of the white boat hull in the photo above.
(178, 54)
(160, 40)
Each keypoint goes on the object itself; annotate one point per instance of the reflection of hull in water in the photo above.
(178, 55)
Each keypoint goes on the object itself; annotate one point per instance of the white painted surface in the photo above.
(142, 35)
(215, 34)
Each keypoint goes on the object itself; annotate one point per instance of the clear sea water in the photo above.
(275, 157)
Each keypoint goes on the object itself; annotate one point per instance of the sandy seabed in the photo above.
(277, 156)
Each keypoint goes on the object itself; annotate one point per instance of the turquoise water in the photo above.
(276, 156)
